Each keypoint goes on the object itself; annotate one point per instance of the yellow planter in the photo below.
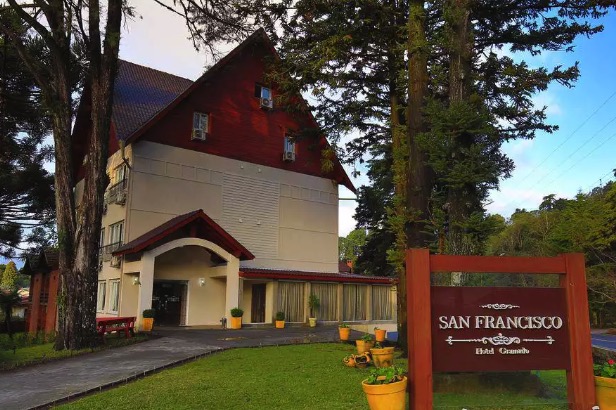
(312, 321)
(605, 388)
(345, 332)
(390, 396)
(147, 323)
(280, 324)
(379, 335)
(363, 347)
(383, 357)
(236, 323)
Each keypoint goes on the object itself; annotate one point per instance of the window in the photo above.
(100, 296)
(291, 300)
(382, 303)
(120, 174)
(328, 296)
(289, 148)
(265, 95)
(114, 295)
(102, 240)
(354, 302)
(116, 233)
(200, 126)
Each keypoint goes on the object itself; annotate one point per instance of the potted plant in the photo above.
(365, 343)
(382, 356)
(345, 331)
(236, 318)
(379, 334)
(605, 384)
(148, 320)
(385, 388)
(279, 320)
(313, 304)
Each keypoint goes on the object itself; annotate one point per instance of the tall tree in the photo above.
(26, 188)
(69, 32)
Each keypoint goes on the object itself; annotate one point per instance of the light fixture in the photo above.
(201, 281)
(136, 280)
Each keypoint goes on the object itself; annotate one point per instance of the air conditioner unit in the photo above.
(116, 261)
(267, 103)
(198, 135)
(288, 156)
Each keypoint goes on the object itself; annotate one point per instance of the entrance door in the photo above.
(167, 301)
(257, 313)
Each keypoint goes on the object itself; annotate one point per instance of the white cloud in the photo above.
(549, 100)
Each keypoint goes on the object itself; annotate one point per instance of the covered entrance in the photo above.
(169, 302)
(257, 311)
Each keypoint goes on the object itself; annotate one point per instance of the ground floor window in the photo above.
(354, 302)
(100, 296)
(114, 295)
(328, 298)
(382, 303)
(291, 300)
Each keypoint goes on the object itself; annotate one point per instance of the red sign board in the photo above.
(499, 329)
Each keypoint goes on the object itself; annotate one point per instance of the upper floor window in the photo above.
(120, 174)
(265, 96)
(289, 148)
(102, 240)
(116, 233)
(200, 126)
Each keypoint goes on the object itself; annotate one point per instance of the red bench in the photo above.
(115, 324)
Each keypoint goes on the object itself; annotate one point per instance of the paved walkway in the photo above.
(42, 385)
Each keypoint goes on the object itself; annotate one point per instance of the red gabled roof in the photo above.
(312, 276)
(205, 228)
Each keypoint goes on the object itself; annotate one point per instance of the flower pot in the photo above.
(236, 323)
(147, 323)
(390, 396)
(605, 389)
(280, 324)
(383, 357)
(363, 347)
(345, 332)
(379, 335)
(349, 361)
(313, 321)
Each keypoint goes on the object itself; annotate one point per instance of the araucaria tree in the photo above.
(68, 33)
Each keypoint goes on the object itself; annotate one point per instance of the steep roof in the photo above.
(313, 276)
(45, 261)
(206, 228)
(140, 93)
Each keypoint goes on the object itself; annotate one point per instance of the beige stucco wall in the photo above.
(286, 219)
(205, 304)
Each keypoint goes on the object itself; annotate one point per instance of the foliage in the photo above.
(237, 312)
(313, 303)
(9, 298)
(26, 187)
(350, 246)
(367, 337)
(606, 369)
(280, 316)
(149, 313)
(343, 325)
(385, 375)
(9, 277)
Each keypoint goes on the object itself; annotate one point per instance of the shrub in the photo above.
(237, 312)
(279, 315)
(148, 313)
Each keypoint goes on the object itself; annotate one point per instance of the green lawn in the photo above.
(288, 377)
(39, 353)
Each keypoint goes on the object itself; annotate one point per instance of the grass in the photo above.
(288, 377)
(43, 352)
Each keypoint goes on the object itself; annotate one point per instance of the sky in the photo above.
(577, 157)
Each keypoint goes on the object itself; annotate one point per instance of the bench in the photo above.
(115, 324)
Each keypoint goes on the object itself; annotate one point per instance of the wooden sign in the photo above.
(499, 329)
(461, 329)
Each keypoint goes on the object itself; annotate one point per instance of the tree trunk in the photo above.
(419, 177)
(460, 195)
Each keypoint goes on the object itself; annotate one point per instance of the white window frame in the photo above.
(120, 173)
(114, 299)
(201, 124)
(114, 235)
(100, 299)
(265, 93)
(102, 239)
(289, 144)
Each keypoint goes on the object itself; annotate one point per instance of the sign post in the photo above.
(472, 329)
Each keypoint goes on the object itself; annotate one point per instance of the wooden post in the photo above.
(580, 379)
(419, 328)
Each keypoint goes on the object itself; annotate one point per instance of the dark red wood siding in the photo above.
(239, 128)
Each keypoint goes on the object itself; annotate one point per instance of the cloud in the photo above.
(346, 212)
(547, 99)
